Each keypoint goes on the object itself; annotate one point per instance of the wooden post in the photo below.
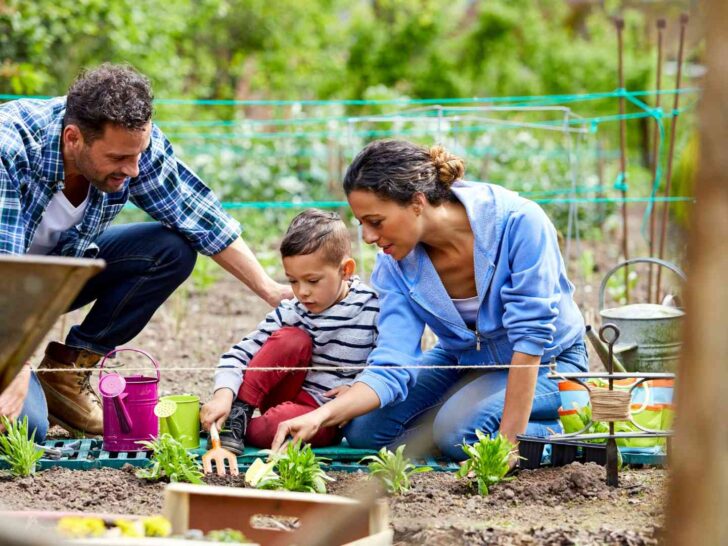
(698, 496)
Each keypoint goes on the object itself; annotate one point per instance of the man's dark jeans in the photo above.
(145, 263)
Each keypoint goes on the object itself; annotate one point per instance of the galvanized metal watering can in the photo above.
(650, 333)
(128, 405)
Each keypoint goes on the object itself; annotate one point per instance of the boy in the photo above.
(331, 322)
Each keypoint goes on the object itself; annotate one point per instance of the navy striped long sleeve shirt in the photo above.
(343, 335)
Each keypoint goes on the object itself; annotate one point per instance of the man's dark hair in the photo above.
(109, 93)
(315, 229)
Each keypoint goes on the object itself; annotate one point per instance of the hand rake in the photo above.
(219, 455)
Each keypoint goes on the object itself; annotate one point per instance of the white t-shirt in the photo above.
(59, 216)
(468, 309)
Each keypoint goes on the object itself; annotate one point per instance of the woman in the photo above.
(482, 268)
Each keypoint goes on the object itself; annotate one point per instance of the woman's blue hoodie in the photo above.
(526, 302)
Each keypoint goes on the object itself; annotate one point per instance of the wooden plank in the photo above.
(36, 290)
(698, 494)
(213, 507)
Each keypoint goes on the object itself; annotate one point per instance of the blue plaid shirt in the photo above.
(31, 171)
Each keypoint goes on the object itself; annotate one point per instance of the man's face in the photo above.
(110, 159)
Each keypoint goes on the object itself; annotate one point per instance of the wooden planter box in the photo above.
(324, 520)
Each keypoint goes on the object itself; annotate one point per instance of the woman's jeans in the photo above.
(145, 263)
(461, 402)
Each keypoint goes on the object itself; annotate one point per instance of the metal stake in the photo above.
(655, 159)
(619, 24)
(668, 175)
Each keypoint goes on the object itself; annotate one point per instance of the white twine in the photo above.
(484, 367)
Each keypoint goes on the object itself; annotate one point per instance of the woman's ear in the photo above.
(418, 202)
(348, 267)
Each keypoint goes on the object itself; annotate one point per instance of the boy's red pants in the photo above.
(278, 394)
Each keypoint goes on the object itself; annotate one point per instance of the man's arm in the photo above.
(240, 261)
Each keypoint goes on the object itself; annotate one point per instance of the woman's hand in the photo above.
(337, 391)
(12, 398)
(301, 428)
(217, 409)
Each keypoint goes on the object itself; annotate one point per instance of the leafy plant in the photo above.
(487, 460)
(170, 460)
(393, 469)
(298, 469)
(617, 288)
(230, 536)
(18, 449)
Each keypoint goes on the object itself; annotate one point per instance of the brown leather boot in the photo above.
(72, 402)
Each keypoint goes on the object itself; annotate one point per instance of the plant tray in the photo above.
(86, 454)
(564, 452)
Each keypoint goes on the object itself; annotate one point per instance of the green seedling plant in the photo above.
(488, 460)
(229, 536)
(170, 460)
(18, 449)
(297, 469)
(393, 469)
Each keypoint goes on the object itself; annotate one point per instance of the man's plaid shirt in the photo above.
(31, 171)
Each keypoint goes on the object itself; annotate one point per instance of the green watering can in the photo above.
(179, 416)
(649, 338)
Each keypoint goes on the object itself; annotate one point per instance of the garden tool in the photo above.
(219, 455)
(164, 409)
(128, 404)
(112, 386)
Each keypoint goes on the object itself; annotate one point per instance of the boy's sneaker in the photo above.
(233, 431)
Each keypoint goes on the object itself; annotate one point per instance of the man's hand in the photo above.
(279, 292)
(217, 409)
(337, 391)
(12, 398)
(240, 261)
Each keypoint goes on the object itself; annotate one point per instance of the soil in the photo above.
(560, 506)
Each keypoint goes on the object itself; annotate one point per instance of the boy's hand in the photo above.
(217, 409)
(337, 391)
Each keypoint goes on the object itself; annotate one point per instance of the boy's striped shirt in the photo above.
(343, 335)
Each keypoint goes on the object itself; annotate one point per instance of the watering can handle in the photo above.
(672, 267)
(150, 357)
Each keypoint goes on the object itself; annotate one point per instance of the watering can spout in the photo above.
(602, 350)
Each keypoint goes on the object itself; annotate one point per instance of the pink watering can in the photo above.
(128, 404)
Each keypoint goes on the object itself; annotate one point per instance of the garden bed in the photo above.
(563, 505)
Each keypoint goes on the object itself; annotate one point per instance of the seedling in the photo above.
(170, 460)
(298, 469)
(230, 536)
(393, 469)
(17, 449)
(488, 460)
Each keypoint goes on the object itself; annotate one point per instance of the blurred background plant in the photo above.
(289, 143)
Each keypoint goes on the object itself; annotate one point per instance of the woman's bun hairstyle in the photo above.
(449, 167)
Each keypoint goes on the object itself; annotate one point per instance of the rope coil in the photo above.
(610, 405)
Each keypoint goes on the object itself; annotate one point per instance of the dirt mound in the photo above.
(559, 485)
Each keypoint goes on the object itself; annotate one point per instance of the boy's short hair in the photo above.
(315, 229)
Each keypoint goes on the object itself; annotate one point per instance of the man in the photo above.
(67, 168)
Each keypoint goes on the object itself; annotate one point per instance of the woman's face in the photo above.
(392, 227)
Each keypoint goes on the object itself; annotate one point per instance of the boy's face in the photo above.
(317, 283)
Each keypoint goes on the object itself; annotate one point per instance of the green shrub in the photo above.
(393, 469)
(488, 459)
(170, 460)
(298, 469)
(18, 449)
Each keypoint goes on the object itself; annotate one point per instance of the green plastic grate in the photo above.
(87, 453)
